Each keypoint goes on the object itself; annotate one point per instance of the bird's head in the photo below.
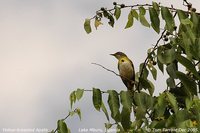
(119, 55)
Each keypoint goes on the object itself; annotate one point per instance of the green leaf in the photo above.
(143, 100)
(105, 110)
(125, 118)
(111, 20)
(182, 14)
(171, 82)
(142, 10)
(166, 56)
(87, 26)
(152, 88)
(62, 127)
(134, 13)
(188, 64)
(97, 98)
(155, 21)
(153, 71)
(187, 21)
(146, 84)
(78, 111)
(117, 12)
(160, 66)
(72, 98)
(188, 83)
(97, 23)
(79, 93)
(140, 113)
(108, 125)
(188, 103)
(113, 102)
(171, 70)
(172, 101)
(195, 49)
(130, 20)
(145, 71)
(160, 106)
(126, 99)
(156, 7)
(119, 129)
(143, 21)
(195, 18)
(169, 20)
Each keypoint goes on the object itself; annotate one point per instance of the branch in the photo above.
(106, 69)
(100, 90)
(139, 5)
(113, 72)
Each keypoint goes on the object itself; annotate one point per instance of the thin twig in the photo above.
(101, 91)
(113, 72)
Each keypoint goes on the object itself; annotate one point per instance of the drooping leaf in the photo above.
(97, 23)
(113, 102)
(142, 10)
(108, 125)
(87, 26)
(105, 111)
(156, 7)
(134, 13)
(79, 93)
(160, 106)
(188, 103)
(188, 64)
(117, 12)
(145, 71)
(126, 99)
(111, 20)
(143, 100)
(160, 66)
(130, 20)
(153, 71)
(78, 111)
(119, 129)
(97, 98)
(195, 49)
(166, 56)
(170, 82)
(125, 118)
(182, 14)
(169, 20)
(188, 83)
(187, 21)
(72, 98)
(171, 70)
(143, 21)
(155, 21)
(62, 127)
(195, 18)
(172, 100)
(146, 84)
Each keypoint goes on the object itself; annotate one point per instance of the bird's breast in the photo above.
(126, 69)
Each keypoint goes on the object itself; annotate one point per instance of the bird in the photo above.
(126, 69)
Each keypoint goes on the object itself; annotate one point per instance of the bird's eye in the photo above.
(122, 60)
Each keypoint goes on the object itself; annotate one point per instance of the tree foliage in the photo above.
(177, 52)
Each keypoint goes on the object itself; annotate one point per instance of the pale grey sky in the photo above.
(45, 54)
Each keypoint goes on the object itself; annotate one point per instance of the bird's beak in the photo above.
(112, 54)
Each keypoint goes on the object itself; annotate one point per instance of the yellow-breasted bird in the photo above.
(126, 69)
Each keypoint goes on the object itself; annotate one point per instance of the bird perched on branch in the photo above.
(126, 69)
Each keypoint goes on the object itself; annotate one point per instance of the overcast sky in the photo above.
(45, 54)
